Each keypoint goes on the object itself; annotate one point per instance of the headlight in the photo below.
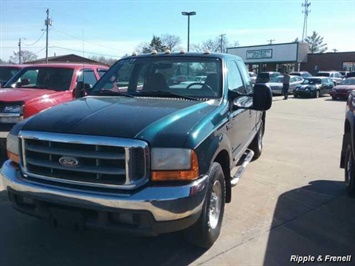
(174, 164)
(13, 148)
(13, 109)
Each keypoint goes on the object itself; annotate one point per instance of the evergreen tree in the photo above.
(316, 44)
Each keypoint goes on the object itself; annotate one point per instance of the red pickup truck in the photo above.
(41, 86)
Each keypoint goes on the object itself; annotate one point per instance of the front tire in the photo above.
(257, 144)
(349, 171)
(208, 227)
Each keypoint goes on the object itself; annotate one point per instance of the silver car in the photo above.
(276, 85)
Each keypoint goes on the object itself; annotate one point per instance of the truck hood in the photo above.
(159, 121)
(16, 95)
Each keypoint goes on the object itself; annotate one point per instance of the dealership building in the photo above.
(293, 56)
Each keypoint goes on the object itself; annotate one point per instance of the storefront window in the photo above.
(348, 66)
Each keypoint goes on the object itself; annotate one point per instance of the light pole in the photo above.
(188, 14)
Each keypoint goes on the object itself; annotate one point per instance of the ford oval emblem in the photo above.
(68, 161)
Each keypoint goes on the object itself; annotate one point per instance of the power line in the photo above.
(75, 50)
(35, 41)
(74, 37)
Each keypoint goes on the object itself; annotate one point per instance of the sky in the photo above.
(113, 28)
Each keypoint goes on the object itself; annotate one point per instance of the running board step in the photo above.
(248, 156)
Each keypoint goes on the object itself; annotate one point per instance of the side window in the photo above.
(244, 72)
(87, 76)
(235, 81)
(101, 72)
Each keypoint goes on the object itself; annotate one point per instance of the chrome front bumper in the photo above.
(165, 203)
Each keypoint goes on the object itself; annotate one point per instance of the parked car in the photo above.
(38, 87)
(343, 89)
(265, 77)
(277, 85)
(335, 76)
(252, 76)
(8, 71)
(313, 87)
(303, 74)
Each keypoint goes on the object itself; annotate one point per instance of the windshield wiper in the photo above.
(110, 92)
(165, 94)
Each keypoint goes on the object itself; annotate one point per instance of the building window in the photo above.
(348, 66)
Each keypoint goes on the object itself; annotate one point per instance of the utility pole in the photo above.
(306, 12)
(222, 41)
(47, 23)
(19, 51)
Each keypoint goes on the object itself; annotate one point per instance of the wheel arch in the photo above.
(224, 160)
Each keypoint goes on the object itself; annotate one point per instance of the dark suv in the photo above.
(347, 155)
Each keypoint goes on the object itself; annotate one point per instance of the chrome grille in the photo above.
(84, 160)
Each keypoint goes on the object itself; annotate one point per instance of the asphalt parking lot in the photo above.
(291, 202)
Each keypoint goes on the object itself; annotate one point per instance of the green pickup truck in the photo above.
(138, 155)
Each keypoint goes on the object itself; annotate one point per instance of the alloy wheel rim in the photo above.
(215, 204)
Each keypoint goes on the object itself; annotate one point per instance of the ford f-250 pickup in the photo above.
(138, 155)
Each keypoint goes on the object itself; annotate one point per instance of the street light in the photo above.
(188, 14)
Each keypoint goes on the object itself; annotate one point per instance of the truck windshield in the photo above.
(52, 78)
(164, 76)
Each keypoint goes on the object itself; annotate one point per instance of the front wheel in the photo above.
(349, 171)
(208, 227)
(257, 144)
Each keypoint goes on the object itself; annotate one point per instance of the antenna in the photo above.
(306, 5)
(271, 41)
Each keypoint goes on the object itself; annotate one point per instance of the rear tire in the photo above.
(349, 171)
(257, 144)
(334, 98)
(208, 227)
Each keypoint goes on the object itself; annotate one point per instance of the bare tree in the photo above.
(25, 56)
(172, 42)
(103, 60)
(218, 44)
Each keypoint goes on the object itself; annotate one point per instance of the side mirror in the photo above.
(262, 97)
(81, 89)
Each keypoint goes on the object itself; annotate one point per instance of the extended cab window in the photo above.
(235, 81)
(87, 76)
(194, 77)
